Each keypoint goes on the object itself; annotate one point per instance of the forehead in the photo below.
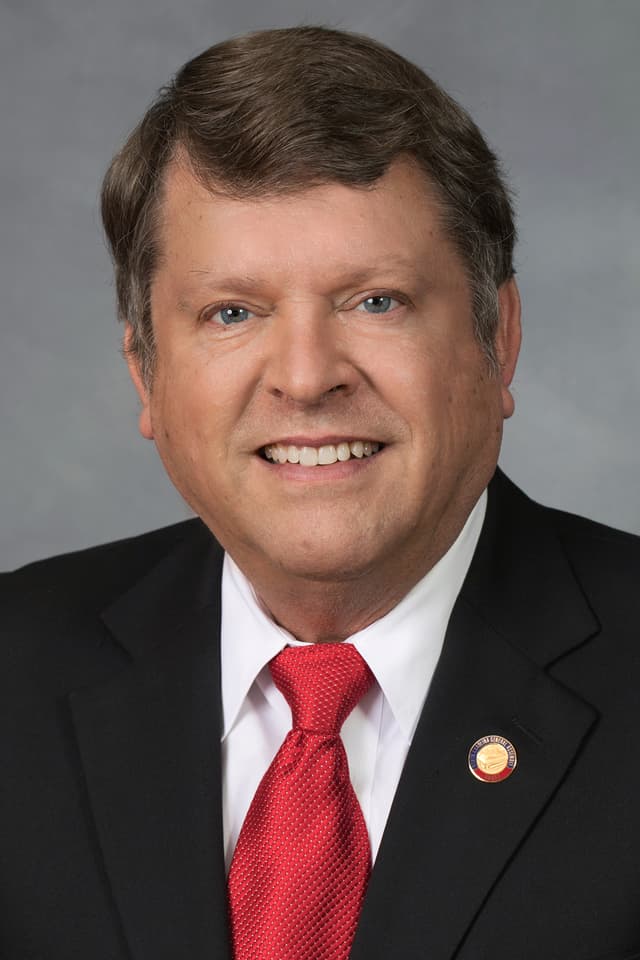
(396, 220)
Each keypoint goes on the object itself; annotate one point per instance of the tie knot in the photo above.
(322, 683)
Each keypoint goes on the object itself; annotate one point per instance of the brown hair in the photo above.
(281, 110)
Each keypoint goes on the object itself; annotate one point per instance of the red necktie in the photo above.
(302, 861)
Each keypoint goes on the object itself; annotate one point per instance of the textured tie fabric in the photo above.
(301, 865)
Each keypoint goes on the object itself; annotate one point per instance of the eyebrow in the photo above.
(210, 281)
(357, 275)
(207, 279)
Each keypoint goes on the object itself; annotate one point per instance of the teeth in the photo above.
(309, 457)
(314, 456)
(327, 454)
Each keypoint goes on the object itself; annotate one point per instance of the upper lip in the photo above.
(326, 441)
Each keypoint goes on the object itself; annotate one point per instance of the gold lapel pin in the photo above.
(492, 758)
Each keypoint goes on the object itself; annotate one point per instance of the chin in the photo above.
(326, 565)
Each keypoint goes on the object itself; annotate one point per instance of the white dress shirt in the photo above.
(402, 650)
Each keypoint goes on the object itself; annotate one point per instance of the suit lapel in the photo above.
(149, 740)
(450, 837)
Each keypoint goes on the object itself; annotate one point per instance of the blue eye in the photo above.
(232, 314)
(378, 304)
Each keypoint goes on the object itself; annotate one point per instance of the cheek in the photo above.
(192, 401)
(423, 387)
(456, 408)
(406, 372)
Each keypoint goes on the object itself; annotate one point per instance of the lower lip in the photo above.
(329, 472)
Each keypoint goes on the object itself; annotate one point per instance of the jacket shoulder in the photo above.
(596, 542)
(95, 575)
(605, 560)
(584, 539)
(52, 638)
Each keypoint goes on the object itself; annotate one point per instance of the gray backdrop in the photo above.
(553, 83)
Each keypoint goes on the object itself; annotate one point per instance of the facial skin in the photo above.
(353, 322)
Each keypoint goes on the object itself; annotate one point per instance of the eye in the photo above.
(227, 313)
(379, 303)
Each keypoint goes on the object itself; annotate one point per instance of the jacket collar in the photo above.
(450, 837)
(149, 740)
(521, 580)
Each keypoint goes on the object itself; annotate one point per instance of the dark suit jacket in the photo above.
(110, 809)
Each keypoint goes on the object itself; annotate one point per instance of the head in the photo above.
(278, 111)
(313, 250)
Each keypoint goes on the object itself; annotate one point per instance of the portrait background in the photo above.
(554, 87)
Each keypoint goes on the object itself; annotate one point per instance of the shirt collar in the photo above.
(402, 648)
(249, 639)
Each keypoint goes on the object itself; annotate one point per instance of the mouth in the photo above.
(322, 455)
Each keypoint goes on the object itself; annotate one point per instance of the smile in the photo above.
(320, 456)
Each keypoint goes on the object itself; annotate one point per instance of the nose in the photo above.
(309, 355)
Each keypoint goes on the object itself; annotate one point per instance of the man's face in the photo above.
(337, 320)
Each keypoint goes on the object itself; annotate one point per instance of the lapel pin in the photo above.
(492, 758)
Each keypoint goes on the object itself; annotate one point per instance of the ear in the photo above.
(508, 339)
(133, 363)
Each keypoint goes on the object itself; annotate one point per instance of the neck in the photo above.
(329, 611)
(315, 608)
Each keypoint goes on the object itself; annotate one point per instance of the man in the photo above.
(313, 252)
